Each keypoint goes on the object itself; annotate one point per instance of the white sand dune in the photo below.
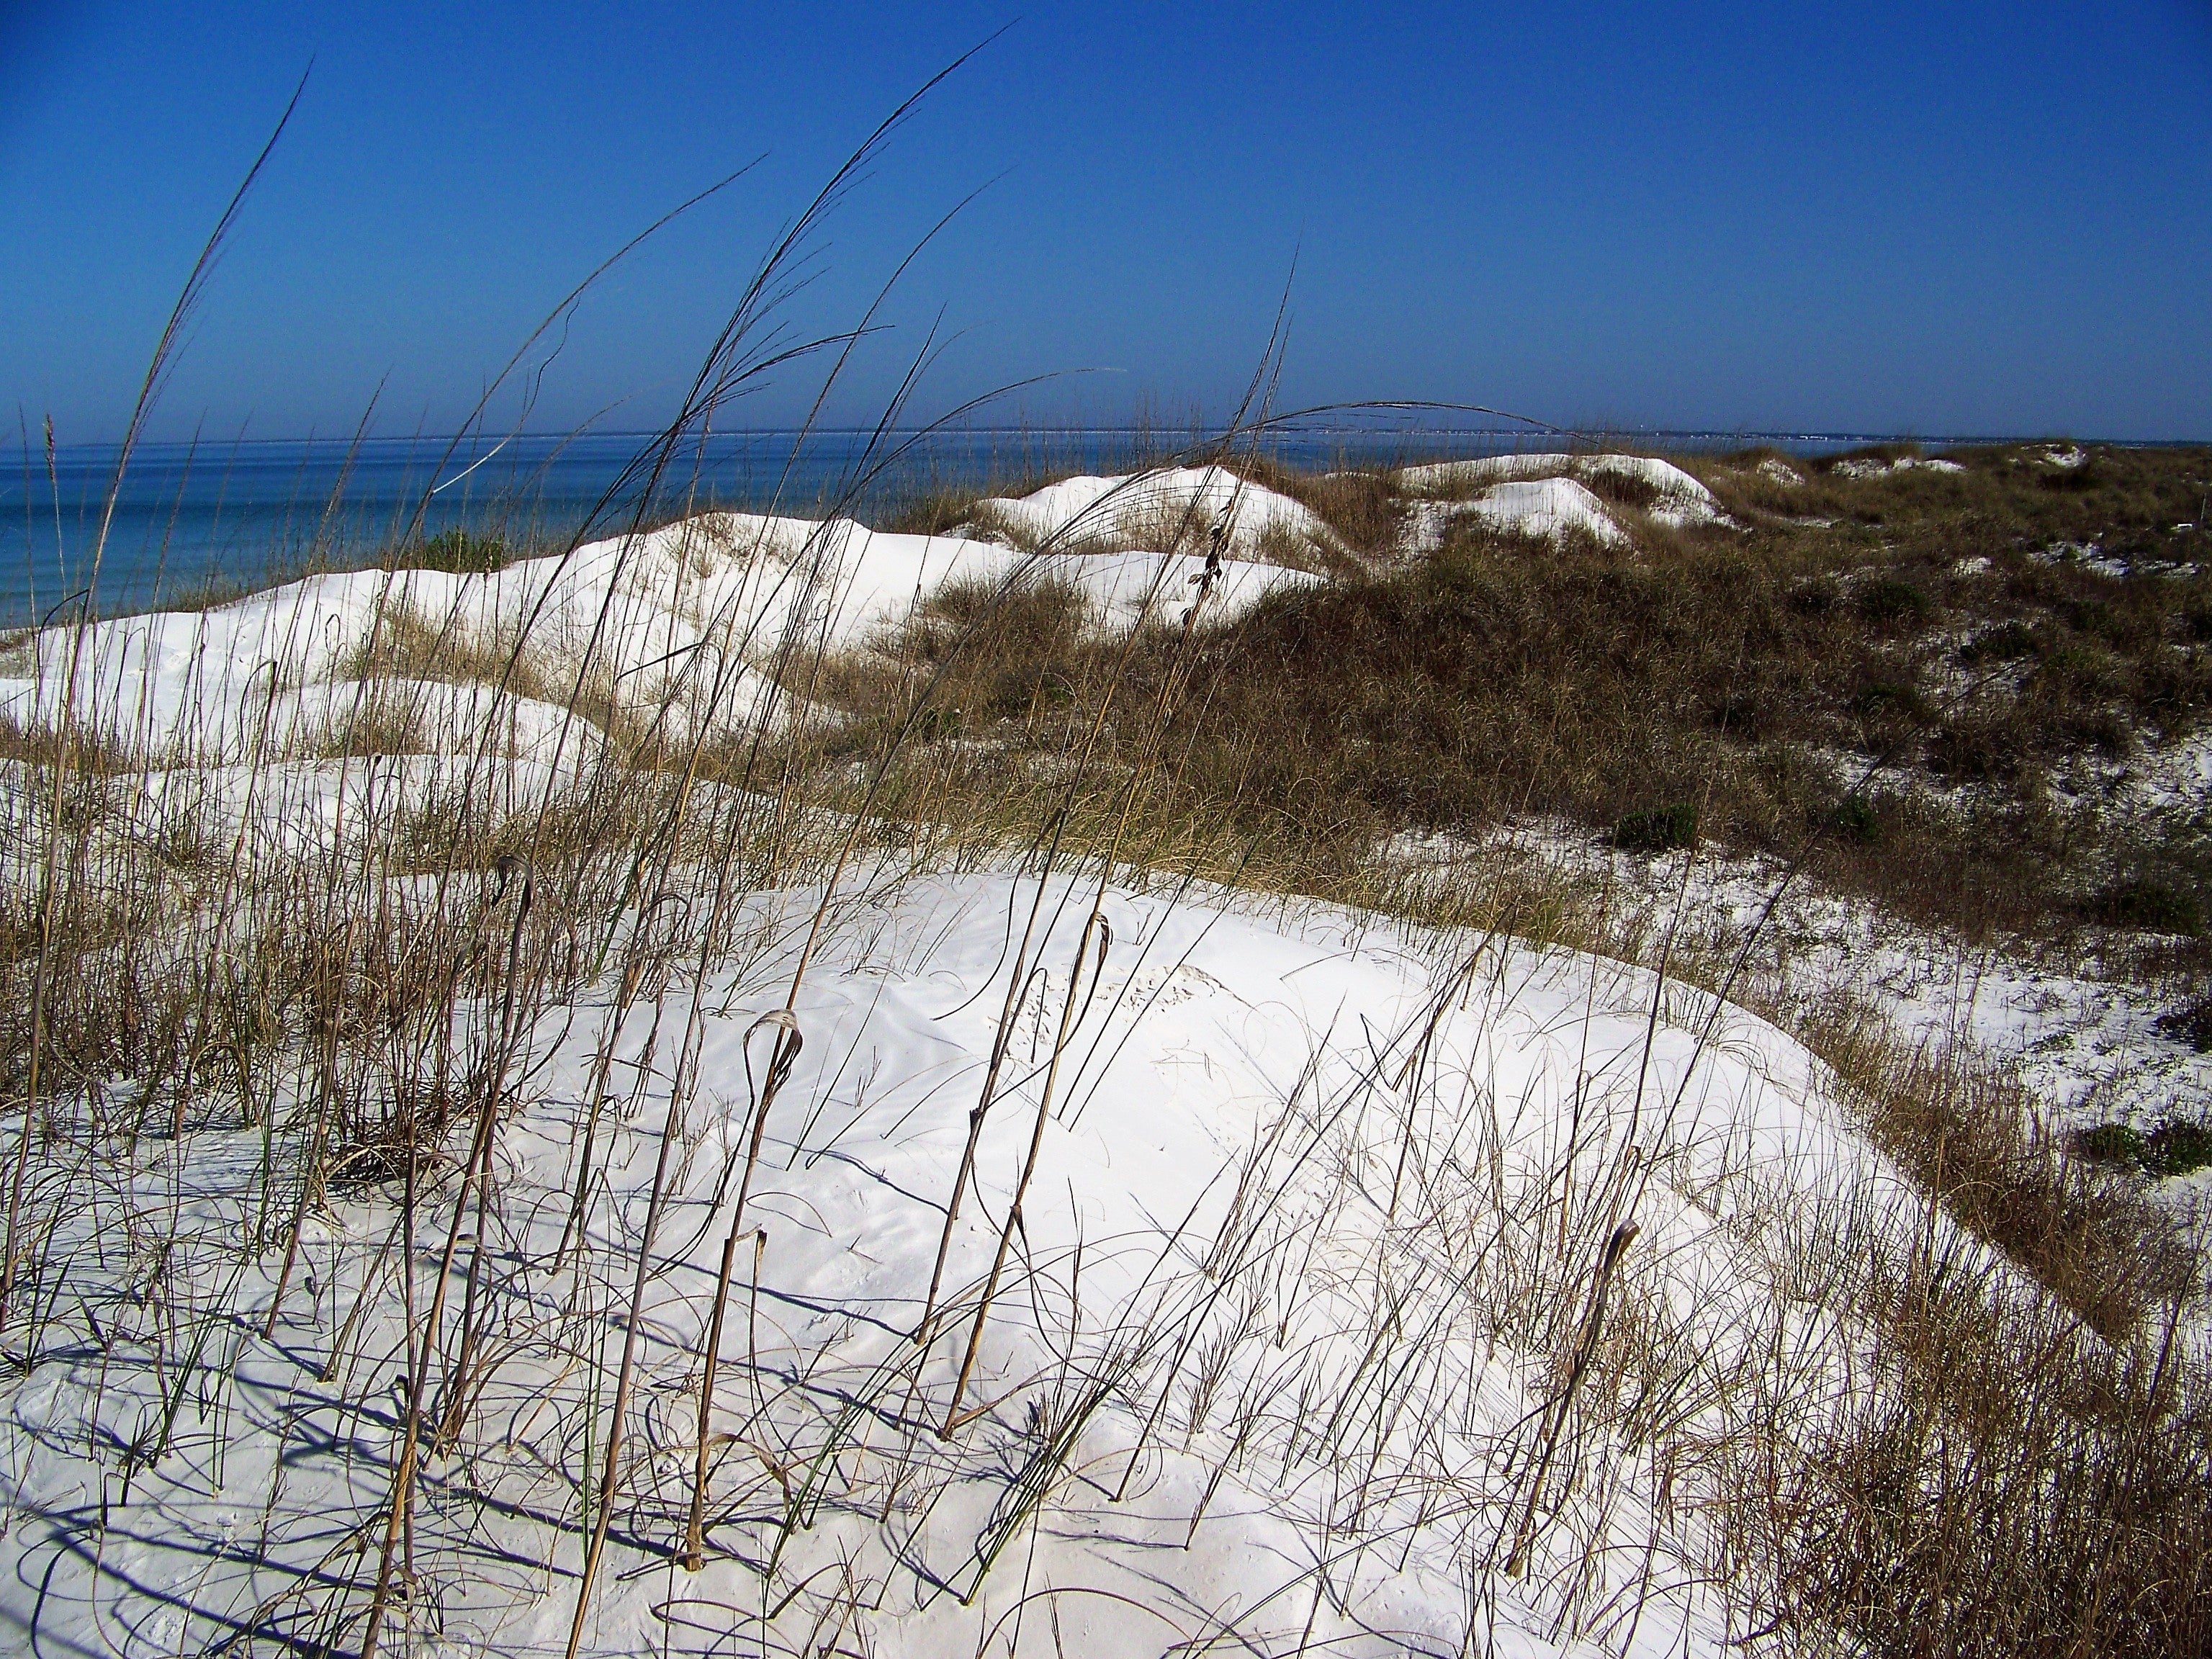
(684, 627)
(1150, 508)
(1676, 497)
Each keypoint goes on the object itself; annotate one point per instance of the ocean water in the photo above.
(192, 519)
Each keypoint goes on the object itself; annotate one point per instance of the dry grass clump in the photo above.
(384, 721)
(39, 745)
(993, 654)
(1967, 1134)
(1998, 1484)
(409, 646)
(933, 508)
(1359, 504)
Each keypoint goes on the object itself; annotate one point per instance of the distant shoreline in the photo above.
(241, 513)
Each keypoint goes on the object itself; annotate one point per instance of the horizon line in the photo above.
(1792, 434)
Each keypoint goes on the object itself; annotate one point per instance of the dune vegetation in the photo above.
(1462, 1058)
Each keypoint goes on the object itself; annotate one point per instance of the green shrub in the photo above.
(2090, 617)
(2190, 1023)
(2006, 642)
(2109, 1143)
(2150, 907)
(1878, 698)
(1856, 819)
(1891, 601)
(936, 723)
(2073, 480)
(1816, 597)
(2176, 1147)
(458, 551)
(1658, 828)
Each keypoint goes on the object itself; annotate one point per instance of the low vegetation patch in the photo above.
(459, 551)
(2150, 905)
(1907, 636)
(2191, 1023)
(1657, 829)
(2172, 1146)
(1967, 1134)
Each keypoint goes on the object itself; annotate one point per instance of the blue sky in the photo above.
(1935, 219)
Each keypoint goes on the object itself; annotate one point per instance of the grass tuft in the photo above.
(1657, 829)
(458, 551)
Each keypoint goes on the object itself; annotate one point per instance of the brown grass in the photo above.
(1766, 674)
(2000, 1485)
(1968, 1134)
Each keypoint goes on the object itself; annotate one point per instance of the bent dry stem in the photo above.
(1094, 926)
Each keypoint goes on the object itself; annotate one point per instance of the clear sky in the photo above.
(1938, 218)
